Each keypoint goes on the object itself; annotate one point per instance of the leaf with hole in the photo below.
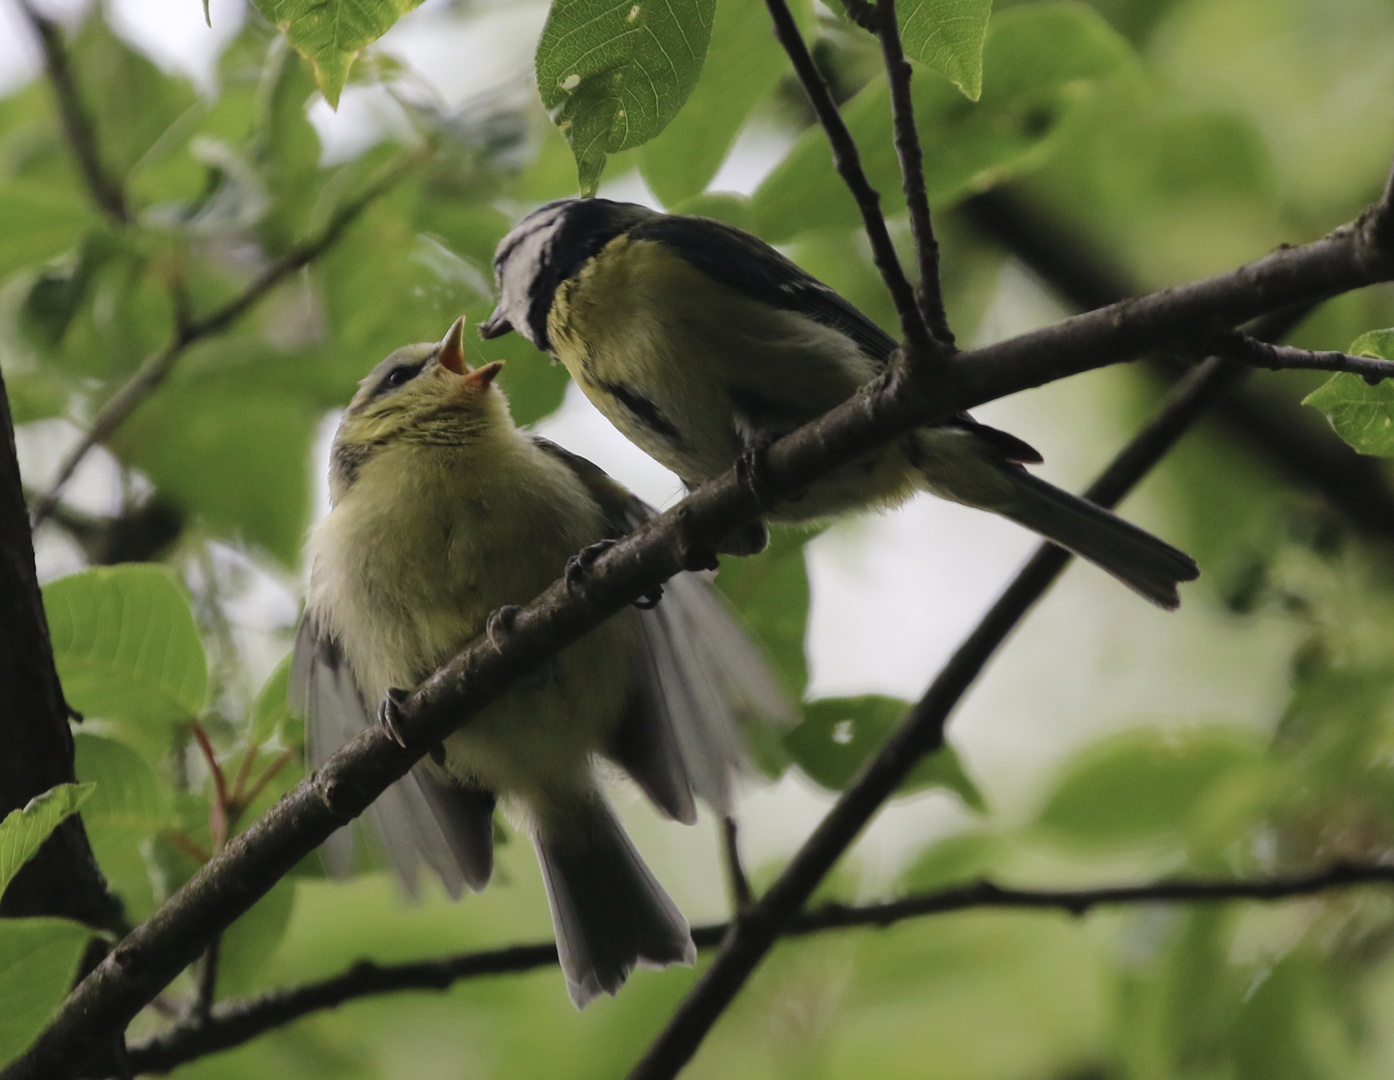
(613, 74)
(839, 735)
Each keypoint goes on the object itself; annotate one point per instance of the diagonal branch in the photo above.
(907, 148)
(154, 953)
(848, 161)
(237, 1022)
(1288, 437)
(157, 368)
(105, 189)
(921, 733)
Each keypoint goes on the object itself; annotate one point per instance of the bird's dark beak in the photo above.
(451, 353)
(497, 325)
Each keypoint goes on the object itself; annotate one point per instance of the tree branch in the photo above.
(105, 189)
(682, 537)
(907, 148)
(1288, 437)
(1257, 353)
(848, 162)
(238, 1022)
(921, 733)
(741, 892)
(157, 368)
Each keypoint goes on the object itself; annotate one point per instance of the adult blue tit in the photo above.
(701, 343)
(443, 513)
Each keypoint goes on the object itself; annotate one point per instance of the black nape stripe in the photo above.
(644, 410)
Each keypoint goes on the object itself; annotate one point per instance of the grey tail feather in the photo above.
(1149, 566)
(608, 911)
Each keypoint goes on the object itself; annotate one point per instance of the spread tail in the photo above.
(609, 912)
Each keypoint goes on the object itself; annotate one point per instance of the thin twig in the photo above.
(154, 953)
(157, 368)
(907, 148)
(741, 893)
(218, 808)
(921, 733)
(1250, 350)
(849, 165)
(105, 189)
(236, 1022)
(207, 983)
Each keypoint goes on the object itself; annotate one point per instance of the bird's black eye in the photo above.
(398, 376)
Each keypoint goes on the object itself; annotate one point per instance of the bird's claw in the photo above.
(390, 713)
(751, 467)
(500, 625)
(650, 599)
(578, 566)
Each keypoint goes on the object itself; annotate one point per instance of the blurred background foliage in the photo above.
(1251, 734)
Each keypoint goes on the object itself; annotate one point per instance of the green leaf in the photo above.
(838, 735)
(613, 74)
(38, 962)
(330, 33)
(1038, 63)
(202, 440)
(953, 860)
(1362, 414)
(249, 943)
(126, 646)
(128, 792)
(947, 35)
(39, 222)
(1141, 786)
(744, 63)
(130, 805)
(770, 591)
(23, 831)
(130, 101)
(272, 708)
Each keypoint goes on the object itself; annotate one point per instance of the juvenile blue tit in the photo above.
(444, 513)
(701, 343)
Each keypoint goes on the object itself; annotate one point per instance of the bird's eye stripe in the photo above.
(398, 376)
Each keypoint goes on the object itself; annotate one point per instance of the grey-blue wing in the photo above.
(421, 818)
(753, 268)
(700, 676)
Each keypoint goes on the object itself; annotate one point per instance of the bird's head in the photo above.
(424, 395)
(545, 249)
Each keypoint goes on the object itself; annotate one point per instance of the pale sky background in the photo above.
(893, 594)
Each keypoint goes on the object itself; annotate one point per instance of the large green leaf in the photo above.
(130, 806)
(613, 73)
(330, 33)
(130, 101)
(38, 961)
(1362, 414)
(234, 449)
(1141, 786)
(23, 831)
(38, 222)
(126, 646)
(771, 593)
(838, 735)
(946, 35)
(744, 63)
(1038, 63)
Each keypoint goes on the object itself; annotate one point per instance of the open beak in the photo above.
(483, 375)
(497, 325)
(451, 353)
